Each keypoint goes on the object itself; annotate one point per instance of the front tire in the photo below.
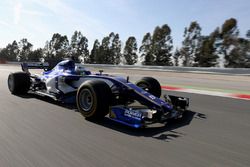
(93, 99)
(151, 85)
(19, 83)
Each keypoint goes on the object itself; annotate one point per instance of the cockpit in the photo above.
(70, 67)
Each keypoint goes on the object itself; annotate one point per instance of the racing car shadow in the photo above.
(165, 132)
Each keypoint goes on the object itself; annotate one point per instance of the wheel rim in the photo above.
(86, 100)
(10, 83)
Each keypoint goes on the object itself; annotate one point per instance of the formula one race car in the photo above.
(97, 95)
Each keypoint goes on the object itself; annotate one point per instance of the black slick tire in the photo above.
(151, 85)
(93, 99)
(19, 83)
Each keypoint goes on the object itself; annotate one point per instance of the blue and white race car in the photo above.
(98, 95)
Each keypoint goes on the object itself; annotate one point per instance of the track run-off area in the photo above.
(38, 132)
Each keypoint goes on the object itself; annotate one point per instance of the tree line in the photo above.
(156, 48)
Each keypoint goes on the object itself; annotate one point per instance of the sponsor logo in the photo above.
(152, 97)
(133, 114)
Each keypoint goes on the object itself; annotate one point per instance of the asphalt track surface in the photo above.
(36, 132)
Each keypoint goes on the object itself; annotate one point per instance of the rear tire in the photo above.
(93, 99)
(19, 83)
(151, 85)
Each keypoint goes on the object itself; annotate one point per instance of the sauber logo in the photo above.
(133, 114)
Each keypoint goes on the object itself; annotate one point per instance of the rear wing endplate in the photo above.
(34, 65)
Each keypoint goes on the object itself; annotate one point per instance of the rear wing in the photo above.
(34, 65)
